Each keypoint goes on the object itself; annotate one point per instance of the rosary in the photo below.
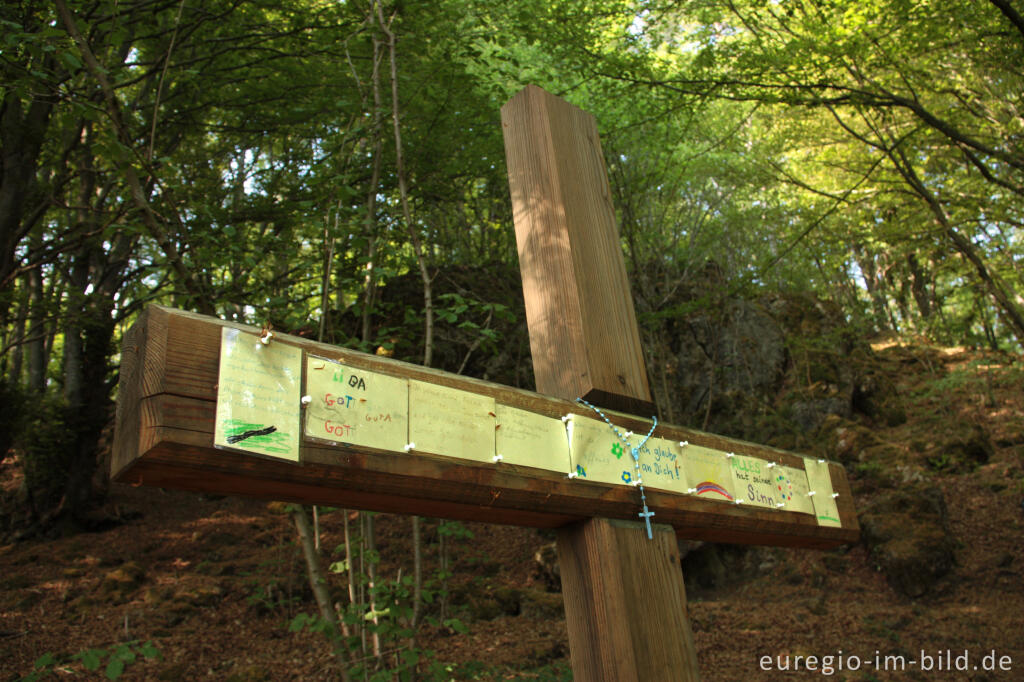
(646, 514)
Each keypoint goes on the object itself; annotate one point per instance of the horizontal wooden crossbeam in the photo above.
(167, 401)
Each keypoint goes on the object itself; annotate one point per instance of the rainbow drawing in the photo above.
(712, 487)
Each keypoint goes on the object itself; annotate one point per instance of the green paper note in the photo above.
(532, 440)
(752, 481)
(661, 464)
(597, 454)
(258, 397)
(449, 422)
(819, 479)
(350, 405)
(709, 473)
(791, 487)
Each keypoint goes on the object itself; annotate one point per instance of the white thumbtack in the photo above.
(730, 455)
(835, 495)
(692, 491)
(780, 505)
(409, 446)
(683, 443)
(266, 336)
(628, 434)
(572, 474)
(821, 461)
(811, 494)
(770, 465)
(738, 501)
(637, 482)
(307, 399)
(497, 458)
(567, 417)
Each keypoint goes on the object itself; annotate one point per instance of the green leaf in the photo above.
(71, 60)
(149, 650)
(114, 668)
(44, 661)
(300, 621)
(91, 658)
(456, 625)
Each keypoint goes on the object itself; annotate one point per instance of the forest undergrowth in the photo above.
(180, 586)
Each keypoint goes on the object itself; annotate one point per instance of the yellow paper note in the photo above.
(349, 405)
(447, 421)
(791, 488)
(752, 481)
(819, 480)
(597, 454)
(708, 473)
(661, 464)
(258, 397)
(531, 440)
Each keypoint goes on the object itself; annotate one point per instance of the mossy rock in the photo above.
(546, 569)
(962, 451)
(541, 605)
(907, 535)
(875, 396)
(845, 440)
(878, 466)
(711, 566)
(810, 410)
(483, 601)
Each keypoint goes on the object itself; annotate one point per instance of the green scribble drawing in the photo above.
(276, 442)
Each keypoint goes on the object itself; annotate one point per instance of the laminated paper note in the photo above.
(450, 422)
(597, 454)
(350, 405)
(791, 488)
(661, 464)
(258, 396)
(819, 480)
(752, 481)
(531, 440)
(709, 473)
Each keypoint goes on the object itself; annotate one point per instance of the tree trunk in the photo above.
(873, 284)
(318, 582)
(919, 287)
(21, 138)
(36, 341)
(428, 306)
(1000, 292)
(370, 282)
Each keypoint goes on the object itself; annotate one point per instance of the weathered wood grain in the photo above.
(583, 333)
(165, 428)
(625, 603)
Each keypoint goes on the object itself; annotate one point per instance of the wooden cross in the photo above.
(341, 427)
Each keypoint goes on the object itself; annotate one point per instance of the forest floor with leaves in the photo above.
(213, 584)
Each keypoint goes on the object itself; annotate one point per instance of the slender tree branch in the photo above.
(149, 216)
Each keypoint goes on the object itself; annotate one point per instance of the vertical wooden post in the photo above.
(583, 333)
(625, 602)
